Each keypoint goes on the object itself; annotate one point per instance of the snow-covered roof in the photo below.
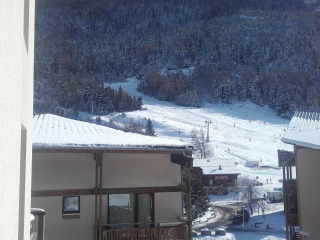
(211, 166)
(51, 131)
(304, 130)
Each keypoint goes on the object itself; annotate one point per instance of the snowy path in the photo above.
(223, 219)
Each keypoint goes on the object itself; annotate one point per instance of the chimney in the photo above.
(220, 167)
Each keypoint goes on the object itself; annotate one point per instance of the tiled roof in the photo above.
(304, 130)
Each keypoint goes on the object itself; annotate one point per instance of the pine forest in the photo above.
(266, 51)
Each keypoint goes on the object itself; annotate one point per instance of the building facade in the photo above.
(218, 175)
(94, 182)
(16, 102)
(301, 194)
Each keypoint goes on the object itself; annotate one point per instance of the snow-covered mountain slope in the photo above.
(242, 131)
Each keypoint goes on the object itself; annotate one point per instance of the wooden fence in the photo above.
(156, 233)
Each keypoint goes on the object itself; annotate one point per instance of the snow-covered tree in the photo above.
(149, 128)
(248, 193)
(225, 91)
(198, 139)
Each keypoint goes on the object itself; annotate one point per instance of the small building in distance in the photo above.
(219, 176)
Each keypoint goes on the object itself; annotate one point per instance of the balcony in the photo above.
(291, 187)
(154, 233)
(292, 216)
(295, 236)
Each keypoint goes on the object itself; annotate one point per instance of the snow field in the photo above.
(241, 131)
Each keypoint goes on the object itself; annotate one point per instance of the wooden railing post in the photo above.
(189, 212)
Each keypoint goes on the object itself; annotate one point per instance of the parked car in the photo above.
(238, 219)
(257, 183)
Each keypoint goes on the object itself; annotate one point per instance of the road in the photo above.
(224, 215)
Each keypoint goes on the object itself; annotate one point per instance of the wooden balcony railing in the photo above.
(295, 236)
(291, 187)
(292, 216)
(155, 233)
(293, 219)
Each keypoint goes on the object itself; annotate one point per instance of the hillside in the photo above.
(265, 51)
(229, 130)
(262, 126)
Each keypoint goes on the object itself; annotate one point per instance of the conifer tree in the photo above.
(149, 128)
(199, 193)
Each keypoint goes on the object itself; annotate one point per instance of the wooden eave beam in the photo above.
(65, 192)
(143, 190)
(80, 150)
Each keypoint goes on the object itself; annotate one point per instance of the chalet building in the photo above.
(16, 101)
(95, 182)
(301, 195)
(218, 175)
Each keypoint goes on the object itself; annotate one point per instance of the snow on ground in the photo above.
(276, 230)
(243, 236)
(256, 135)
(240, 131)
(208, 217)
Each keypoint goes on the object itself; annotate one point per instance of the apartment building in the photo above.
(301, 173)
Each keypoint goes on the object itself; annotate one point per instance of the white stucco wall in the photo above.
(57, 228)
(308, 170)
(168, 206)
(139, 170)
(55, 171)
(16, 100)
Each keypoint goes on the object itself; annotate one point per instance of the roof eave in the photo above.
(72, 149)
(302, 144)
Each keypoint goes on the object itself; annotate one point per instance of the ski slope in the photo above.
(242, 131)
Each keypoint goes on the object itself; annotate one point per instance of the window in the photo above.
(131, 210)
(210, 182)
(71, 205)
(122, 210)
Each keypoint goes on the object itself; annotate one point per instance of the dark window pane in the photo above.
(145, 218)
(71, 205)
(121, 210)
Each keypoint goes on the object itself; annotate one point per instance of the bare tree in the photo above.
(199, 141)
(248, 193)
(261, 205)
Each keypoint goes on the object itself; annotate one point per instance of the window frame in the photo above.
(136, 206)
(70, 212)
